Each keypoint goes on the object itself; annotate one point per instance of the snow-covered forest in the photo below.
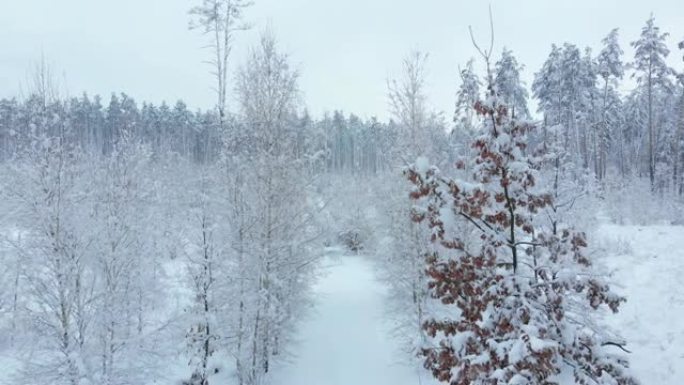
(530, 235)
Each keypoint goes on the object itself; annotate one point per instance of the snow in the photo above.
(422, 165)
(9, 367)
(347, 339)
(650, 276)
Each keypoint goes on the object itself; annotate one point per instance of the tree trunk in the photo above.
(678, 156)
(651, 162)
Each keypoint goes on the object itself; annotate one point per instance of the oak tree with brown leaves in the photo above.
(512, 307)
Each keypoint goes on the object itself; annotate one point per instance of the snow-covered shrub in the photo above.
(613, 246)
(354, 239)
(632, 202)
(350, 214)
(400, 263)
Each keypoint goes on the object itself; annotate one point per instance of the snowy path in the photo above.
(346, 340)
(650, 275)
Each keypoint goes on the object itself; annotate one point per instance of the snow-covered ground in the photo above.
(347, 338)
(651, 276)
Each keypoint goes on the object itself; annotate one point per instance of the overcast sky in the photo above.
(345, 49)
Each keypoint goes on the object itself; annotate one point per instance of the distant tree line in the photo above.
(341, 142)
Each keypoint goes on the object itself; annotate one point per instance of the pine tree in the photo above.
(466, 96)
(546, 88)
(509, 86)
(679, 137)
(652, 72)
(566, 89)
(611, 70)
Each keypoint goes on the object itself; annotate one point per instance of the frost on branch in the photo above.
(513, 308)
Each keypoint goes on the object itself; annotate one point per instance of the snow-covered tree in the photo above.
(508, 84)
(402, 242)
(611, 70)
(513, 307)
(408, 104)
(546, 87)
(567, 93)
(678, 159)
(272, 221)
(652, 73)
(610, 66)
(220, 19)
(466, 96)
(204, 248)
(48, 191)
(125, 263)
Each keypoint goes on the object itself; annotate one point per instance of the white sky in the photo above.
(345, 49)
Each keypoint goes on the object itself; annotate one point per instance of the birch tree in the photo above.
(204, 250)
(275, 242)
(47, 188)
(408, 103)
(125, 265)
